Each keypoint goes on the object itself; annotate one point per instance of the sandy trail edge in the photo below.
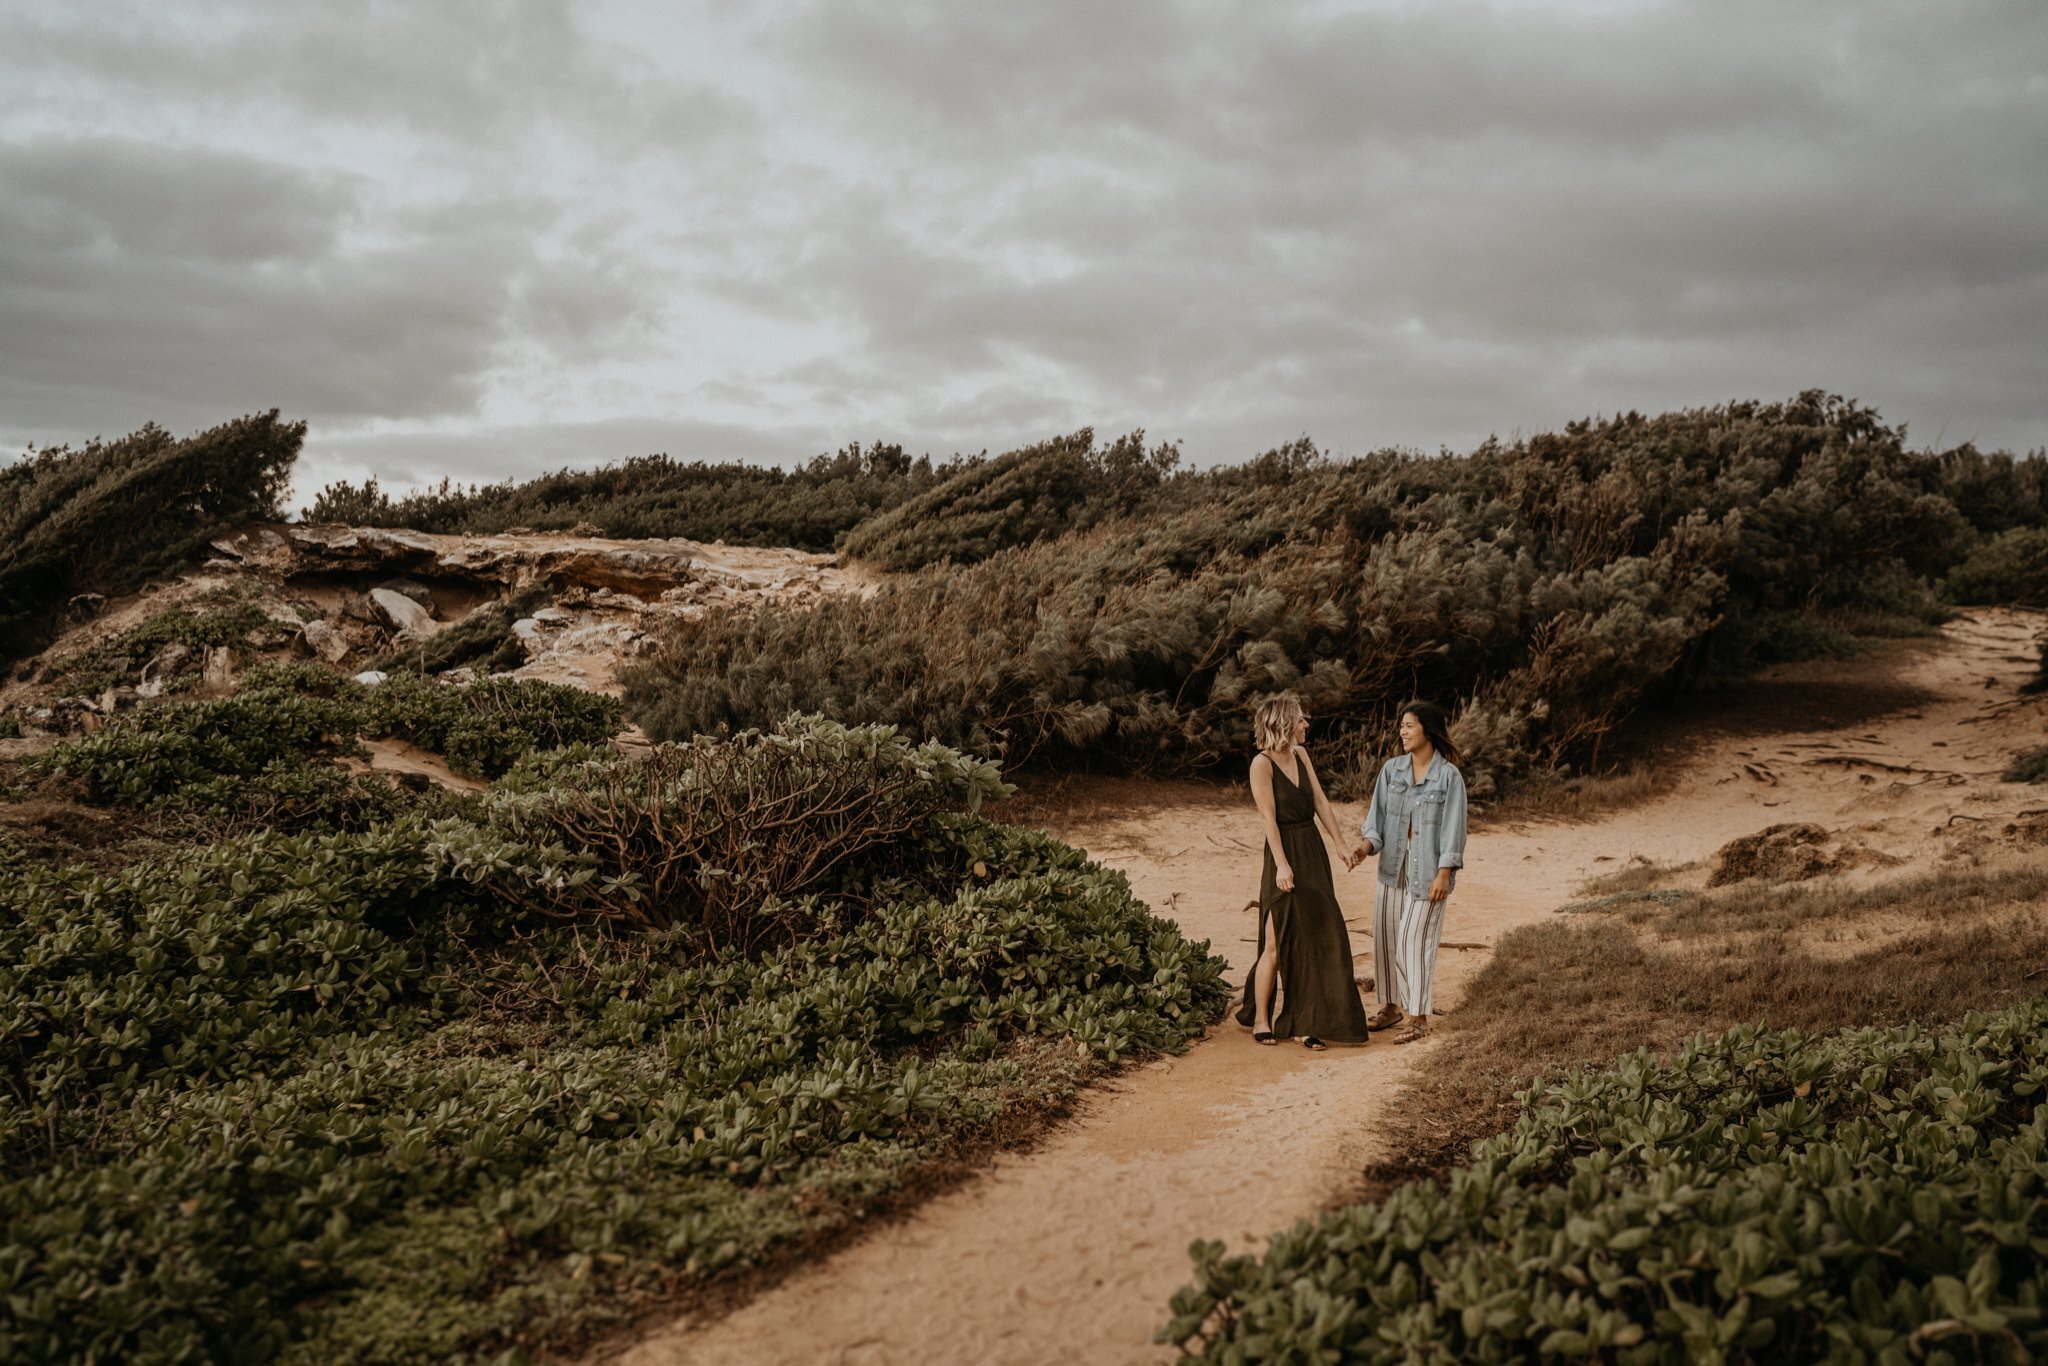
(1071, 1251)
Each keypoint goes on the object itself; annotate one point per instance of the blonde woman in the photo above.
(1304, 951)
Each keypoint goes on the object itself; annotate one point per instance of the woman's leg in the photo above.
(1422, 929)
(1265, 977)
(1386, 935)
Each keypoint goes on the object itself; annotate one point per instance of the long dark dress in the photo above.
(1317, 994)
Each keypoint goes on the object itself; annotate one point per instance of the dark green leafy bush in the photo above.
(261, 758)
(338, 1098)
(157, 754)
(485, 727)
(2011, 567)
(110, 516)
(117, 660)
(1869, 1196)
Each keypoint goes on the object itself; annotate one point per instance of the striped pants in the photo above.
(1406, 930)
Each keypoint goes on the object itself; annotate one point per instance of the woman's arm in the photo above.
(1324, 812)
(1451, 856)
(1262, 794)
(1375, 816)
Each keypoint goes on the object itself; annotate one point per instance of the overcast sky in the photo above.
(487, 239)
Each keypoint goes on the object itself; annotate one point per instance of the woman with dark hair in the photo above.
(1304, 951)
(1416, 824)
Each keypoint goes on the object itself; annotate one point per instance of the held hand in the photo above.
(1359, 854)
(1440, 885)
(1283, 878)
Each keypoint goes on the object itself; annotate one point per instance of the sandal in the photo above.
(1313, 1044)
(1416, 1030)
(1264, 1036)
(1389, 1016)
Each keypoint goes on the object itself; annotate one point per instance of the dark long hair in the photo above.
(1436, 727)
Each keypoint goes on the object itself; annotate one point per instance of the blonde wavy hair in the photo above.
(1273, 723)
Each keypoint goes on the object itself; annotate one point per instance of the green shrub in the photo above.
(485, 727)
(809, 507)
(1028, 495)
(338, 1098)
(1995, 492)
(730, 844)
(261, 758)
(158, 753)
(483, 639)
(117, 660)
(2029, 766)
(1872, 1195)
(110, 516)
(2011, 567)
(1545, 587)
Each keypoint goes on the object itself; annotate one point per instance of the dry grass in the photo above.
(1061, 803)
(1637, 875)
(1591, 987)
(1584, 797)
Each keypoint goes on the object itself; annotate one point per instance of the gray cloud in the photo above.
(521, 234)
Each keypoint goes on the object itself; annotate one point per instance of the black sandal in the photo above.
(1264, 1036)
(1313, 1044)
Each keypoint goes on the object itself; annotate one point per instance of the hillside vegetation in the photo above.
(458, 1074)
(1543, 588)
(1762, 1195)
(809, 507)
(109, 516)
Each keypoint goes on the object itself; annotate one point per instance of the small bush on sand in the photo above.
(2031, 766)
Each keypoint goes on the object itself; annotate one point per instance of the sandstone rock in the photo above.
(413, 589)
(370, 678)
(120, 698)
(643, 573)
(407, 617)
(218, 677)
(165, 663)
(326, 642)
(361, 548)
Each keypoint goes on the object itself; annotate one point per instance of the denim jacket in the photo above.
(1435, 807)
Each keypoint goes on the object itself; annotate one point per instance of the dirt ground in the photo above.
(1070, 1251)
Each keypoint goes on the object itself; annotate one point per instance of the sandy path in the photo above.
(1071, 1251)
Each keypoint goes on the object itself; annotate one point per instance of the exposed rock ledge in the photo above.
(353, 596)
(645, 569)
